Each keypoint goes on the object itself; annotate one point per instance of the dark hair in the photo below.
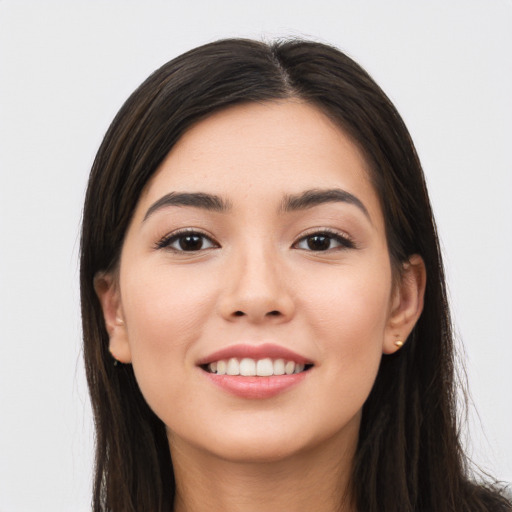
(409, 456)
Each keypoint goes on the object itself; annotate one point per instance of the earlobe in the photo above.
(107, 290)
(407, 304)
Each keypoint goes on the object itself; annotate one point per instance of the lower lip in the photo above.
(256, 387)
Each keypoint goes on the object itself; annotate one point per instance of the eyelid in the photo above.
(346, 241)
(166, 240)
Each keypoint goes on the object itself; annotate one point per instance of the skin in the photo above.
(256, 280)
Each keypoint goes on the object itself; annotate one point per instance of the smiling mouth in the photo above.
(247, 367)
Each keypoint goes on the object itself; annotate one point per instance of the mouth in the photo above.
(247, 360)
(255, 371)
(249, 367)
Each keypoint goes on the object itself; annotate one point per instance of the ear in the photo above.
(107, 290)
(407, 304)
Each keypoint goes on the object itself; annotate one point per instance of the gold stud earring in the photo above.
(399, 343)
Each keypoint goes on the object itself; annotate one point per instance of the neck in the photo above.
(313, 480)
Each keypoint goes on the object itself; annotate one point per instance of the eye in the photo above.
(324, 241)
(186, 241)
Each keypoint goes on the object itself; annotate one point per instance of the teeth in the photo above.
(221, 367)
(233, 367)
(250, 368)
(279, 367)
(264, 367)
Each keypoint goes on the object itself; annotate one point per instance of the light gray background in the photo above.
(66, 68)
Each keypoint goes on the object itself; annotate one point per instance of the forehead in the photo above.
(263, 151)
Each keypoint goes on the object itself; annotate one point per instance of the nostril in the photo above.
(273, 313)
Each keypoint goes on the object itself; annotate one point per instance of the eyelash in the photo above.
(344, 241)
(167, 241)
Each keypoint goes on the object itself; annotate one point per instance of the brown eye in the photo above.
(190, 242)
(319, 242)
(324, 241)
(186, 242)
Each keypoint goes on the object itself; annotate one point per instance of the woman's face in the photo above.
(257, 247)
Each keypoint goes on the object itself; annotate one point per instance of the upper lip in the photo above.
(265, 350)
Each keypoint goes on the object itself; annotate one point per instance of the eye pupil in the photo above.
(191, 242)
(319, 242)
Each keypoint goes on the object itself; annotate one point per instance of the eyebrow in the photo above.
(294, 202)
(195, 199)
(316, 197)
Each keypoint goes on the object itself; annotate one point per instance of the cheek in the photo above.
(349, 304)
(348, 319)
(165, 312)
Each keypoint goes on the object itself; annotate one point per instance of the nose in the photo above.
(256, 290)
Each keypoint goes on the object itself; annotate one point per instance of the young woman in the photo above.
(264, 308)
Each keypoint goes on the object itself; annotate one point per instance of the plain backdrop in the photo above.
(66, 68)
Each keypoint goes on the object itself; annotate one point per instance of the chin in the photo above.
(260, 441)
(258, 449)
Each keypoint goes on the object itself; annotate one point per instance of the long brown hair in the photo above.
(409, 456)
